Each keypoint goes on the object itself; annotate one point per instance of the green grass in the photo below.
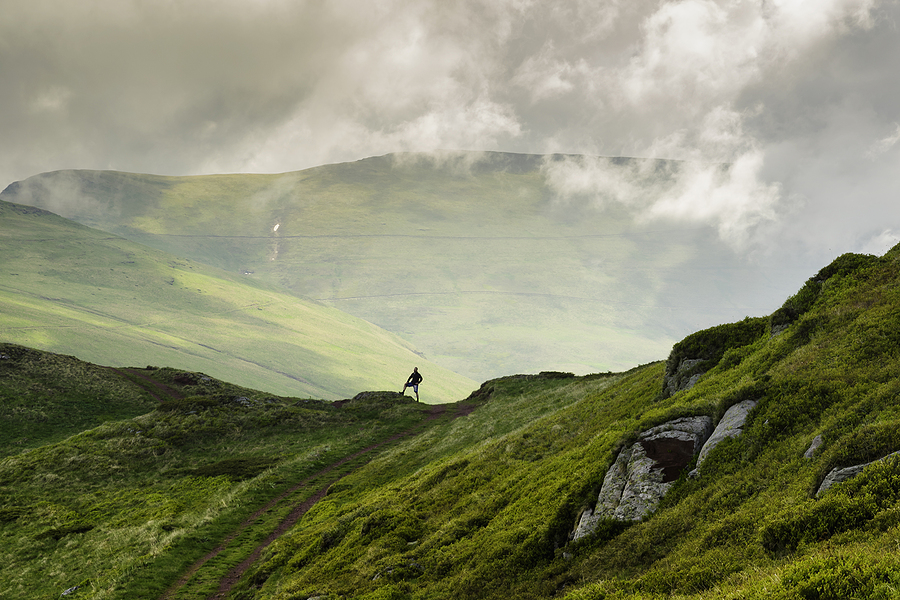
(480, 266)
(45, 398)
(489, 518)
(123, 508)
(482, 506)
(79, 291)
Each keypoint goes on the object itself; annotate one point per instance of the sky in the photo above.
(800, 97)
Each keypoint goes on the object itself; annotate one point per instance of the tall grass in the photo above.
(119, 510)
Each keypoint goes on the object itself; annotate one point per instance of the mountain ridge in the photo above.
(80, 291)
(474, 258)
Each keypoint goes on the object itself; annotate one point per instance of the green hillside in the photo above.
(472, 258)
(483, 506)
(80, 291)
(120, 510)
(492, 521)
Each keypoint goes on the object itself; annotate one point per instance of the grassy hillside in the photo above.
(488, 514)
(39, 405)
(75, 290)
(123, 508)
(482, 506)
(473, 259)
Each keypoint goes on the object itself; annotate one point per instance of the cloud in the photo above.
(885, 144)
(880, 243)
(798, 95)
(705, 84)
(729, 197)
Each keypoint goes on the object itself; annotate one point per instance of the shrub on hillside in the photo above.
(709, 346)
(840, 578)
(860, 445)
(801, 302)
(852, 505)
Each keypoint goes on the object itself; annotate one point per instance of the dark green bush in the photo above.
(710, 345)
(817, 521)
(851, 505)
(801, 302)
(841, 578)
(194, 403)
(859, 445)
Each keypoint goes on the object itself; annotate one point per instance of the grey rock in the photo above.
(731, 425)
(244, 401)
(778, 329)
(643, 473)
(815, 445)
(692, 381)
(839, 475)
(683, 378)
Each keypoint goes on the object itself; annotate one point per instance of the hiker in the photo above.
(414, 380)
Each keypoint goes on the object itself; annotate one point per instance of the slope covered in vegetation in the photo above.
(123, 508)
(483, 506)
(492, 520)
(73, 290)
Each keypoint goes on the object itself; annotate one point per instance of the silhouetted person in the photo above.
(414, 380)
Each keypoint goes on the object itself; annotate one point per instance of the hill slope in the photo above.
(472, 257)
(493, 521)
(483, 506)
(121, 509)
(76, 290)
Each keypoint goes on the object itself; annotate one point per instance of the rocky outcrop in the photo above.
(731, 425)
(813, 447)
(644, 472)
(684, 377)
(839, 475)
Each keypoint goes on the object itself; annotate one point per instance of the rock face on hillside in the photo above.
(839, 475)
(731, 425)
(813, 447)
(644, 472)
(684, 377)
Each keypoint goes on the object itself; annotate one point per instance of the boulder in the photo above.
(731, 425)
(839, 475)
(643, 472)
(685, 376)
(815, 445)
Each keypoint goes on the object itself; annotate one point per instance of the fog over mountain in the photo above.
(799, 96)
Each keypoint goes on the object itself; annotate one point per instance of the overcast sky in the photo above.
(801, 96)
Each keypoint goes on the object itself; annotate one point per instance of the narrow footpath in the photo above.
(297, 511)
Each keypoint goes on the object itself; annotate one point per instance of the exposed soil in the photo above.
(235, 574)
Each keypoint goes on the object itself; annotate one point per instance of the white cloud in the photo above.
(728, 197)
(885, 144)
(51, 100)
(545, 75)
(731, 199)
(694, 51)
(880, 243)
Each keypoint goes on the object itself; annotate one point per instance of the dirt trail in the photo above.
(237, 572)
(160, 391)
